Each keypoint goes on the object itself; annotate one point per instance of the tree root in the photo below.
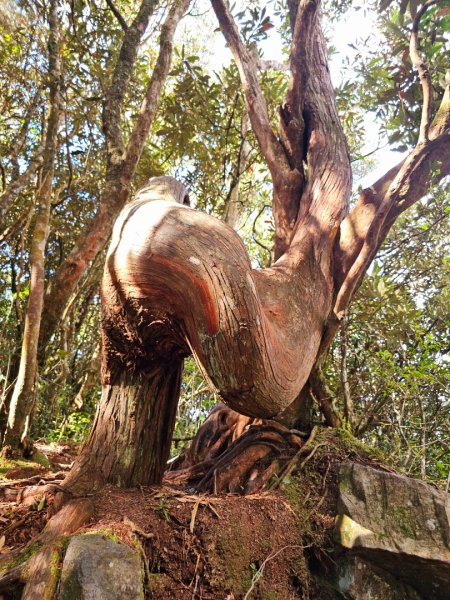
(222, 427)
(232, 453)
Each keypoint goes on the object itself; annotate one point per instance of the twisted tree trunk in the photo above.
(178, 281)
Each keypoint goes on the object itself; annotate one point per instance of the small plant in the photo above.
(163, 509)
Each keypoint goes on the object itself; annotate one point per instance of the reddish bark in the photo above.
(234, 453)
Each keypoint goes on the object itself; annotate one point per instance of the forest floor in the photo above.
(200, 546)
(19, 523)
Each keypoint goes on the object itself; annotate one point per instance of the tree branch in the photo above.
(115, 94)
(116, 12)
(400, 194)
(287, 178)
(153, 92)
(256, 104)
(355, 227)
(424, 73)
(16, 186)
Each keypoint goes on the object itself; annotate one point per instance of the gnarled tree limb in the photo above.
(286, 177)
(355, 227)
(327, 191)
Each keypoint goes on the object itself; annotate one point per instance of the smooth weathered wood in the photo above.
(43, 573)
(178, 280)
(69, 519)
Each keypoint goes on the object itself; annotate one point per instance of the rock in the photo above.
(357, 579)
(96, 568)
(399, 524)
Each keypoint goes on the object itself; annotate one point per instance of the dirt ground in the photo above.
(193, 546)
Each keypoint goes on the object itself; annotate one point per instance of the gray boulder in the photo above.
(400, 525)
(96, 568)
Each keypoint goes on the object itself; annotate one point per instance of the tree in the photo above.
(121, 162)
(23, 396)
(178, 281)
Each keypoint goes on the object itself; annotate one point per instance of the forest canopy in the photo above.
(98, 97)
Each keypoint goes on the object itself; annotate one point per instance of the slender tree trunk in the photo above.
(423, 440)
(17, 185)
(234, 207)
(23, 396)
(348, 400)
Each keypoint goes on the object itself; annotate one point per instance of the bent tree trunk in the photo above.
(178, 281)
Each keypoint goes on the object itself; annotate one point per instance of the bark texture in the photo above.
(130, 440)
(178, 281)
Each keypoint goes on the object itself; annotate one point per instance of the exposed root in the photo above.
(233, 453)
(222, 427)
(6, 488)
(251, 461)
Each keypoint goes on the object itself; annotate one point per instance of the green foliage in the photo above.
(196, 402)
(380, 77)
(398, 331)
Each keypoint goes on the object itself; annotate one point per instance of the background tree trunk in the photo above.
(22, 400)
(122, 159)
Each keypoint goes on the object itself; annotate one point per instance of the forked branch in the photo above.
(150, 103)
(120, 80)
(364, 230)
(256, 105)
(116, 12)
